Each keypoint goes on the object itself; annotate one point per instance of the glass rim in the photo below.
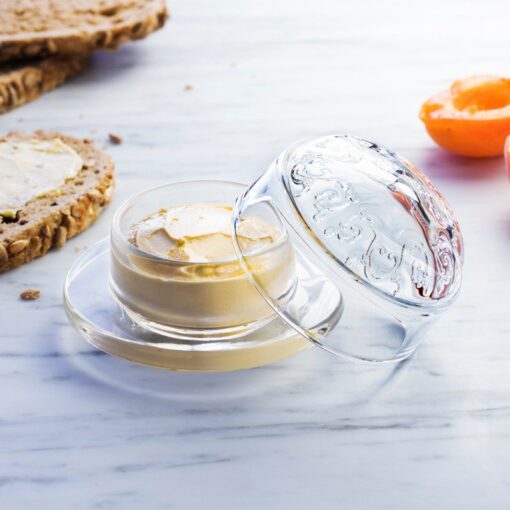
(116, 231)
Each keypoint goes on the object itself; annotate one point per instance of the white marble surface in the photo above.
(83, 430)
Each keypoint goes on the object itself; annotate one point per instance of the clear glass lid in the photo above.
(376, 251)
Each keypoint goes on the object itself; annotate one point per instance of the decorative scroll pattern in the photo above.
(382, 253)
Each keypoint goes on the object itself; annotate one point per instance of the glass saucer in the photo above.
(96, 315)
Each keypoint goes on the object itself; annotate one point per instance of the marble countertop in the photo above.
(80, 429)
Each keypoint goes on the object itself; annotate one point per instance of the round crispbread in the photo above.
(24, 82)
(49, 220)
(30, 28)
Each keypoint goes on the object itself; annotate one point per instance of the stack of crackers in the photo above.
(45, 42)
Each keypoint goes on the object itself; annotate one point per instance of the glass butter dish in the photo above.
(341, 243)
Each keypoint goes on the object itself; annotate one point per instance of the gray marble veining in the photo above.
(80, 429)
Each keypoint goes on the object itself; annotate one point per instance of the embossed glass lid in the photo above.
(376, 252)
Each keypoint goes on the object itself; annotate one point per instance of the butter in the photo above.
(201, 233)
(29, 169)
(197, 281)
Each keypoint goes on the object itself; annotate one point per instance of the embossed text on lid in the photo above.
(378, 216)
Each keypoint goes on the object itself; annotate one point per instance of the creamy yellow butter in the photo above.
(197, 281)
(200, 233)
(29, 169)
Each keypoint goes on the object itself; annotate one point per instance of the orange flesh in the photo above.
(472, 118)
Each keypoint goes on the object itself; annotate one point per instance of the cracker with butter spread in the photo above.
(53, 187)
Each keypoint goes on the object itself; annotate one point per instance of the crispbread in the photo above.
(30, 28)
(51, 219)
(24, 82)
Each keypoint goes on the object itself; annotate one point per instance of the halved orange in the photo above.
(472, 118)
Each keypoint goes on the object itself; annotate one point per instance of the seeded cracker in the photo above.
(50, 220)
(40, 28)
(24, 82)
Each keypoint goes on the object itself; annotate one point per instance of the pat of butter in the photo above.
(201, 233)
(29, 169)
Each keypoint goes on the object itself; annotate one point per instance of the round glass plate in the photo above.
(96, 315)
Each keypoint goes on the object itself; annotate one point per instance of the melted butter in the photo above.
(201, 233)
(29, 169)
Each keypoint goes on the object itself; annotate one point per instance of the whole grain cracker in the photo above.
(35, 28)
(24, 82)
(50, 220)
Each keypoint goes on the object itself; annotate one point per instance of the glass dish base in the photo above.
(191, 334)
(96, 315)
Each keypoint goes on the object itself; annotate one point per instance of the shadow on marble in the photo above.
(111, 65)
(437, 163)
(506, 227)
(296, 379)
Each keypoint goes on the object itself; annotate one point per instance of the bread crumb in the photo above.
(188, 87)
(30, 294)
(115, 139)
